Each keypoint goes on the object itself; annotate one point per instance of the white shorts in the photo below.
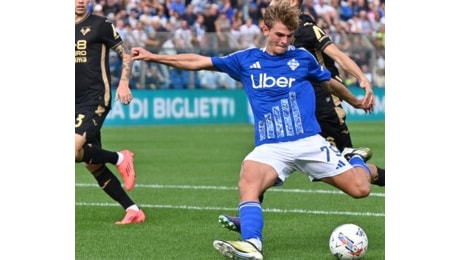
(312, 156)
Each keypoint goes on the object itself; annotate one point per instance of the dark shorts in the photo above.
(89, 121)
(331, 117)
(334, 128)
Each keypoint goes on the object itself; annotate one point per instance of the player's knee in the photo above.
(361, 192)
(361, 189)
(248, 190)
(78, 155)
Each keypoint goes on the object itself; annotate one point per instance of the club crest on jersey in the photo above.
(85, 30)
(293, 64)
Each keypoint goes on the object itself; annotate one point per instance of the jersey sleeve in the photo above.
(310, 36)
(110, 35)
(317, 72)
(322, 39)
(229, 64)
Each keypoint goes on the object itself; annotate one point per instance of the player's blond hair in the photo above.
(282, 11)
(297, 3)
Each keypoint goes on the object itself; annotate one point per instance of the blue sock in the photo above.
(357, 161)
(252, 220)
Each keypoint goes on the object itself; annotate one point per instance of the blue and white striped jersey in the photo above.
(278, 89)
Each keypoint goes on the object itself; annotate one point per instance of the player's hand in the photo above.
(364, 105)
(361, 104)
(123, 93)
(368, 100)
(139, 53)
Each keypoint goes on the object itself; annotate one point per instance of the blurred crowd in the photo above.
(218, 27)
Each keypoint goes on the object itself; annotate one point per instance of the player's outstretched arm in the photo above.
(185, 61)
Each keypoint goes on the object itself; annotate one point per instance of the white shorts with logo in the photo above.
(313, 156)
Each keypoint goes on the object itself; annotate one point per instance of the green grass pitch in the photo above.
(187, 176)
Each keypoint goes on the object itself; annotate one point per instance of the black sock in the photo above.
(112, 186)
(96, 155)
(261, 197)
(381, 180)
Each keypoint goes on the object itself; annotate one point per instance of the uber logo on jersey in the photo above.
(266, 81)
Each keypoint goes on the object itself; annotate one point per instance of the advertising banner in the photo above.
(160, 107)
(167, 107)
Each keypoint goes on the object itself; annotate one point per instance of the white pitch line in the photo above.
(273, 210)
(193, 187)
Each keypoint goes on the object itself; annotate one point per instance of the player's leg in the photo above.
(354, 181)
(110, 184)
(378, 174)
(334, 128)
(80, 141)
(88, 125)
(322, 161)
(318, 158)
(124, 161)
(87, 129)
(255, 177)
(88, 149)
(232, 223)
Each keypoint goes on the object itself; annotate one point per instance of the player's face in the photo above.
(278, 38)
(81, 7)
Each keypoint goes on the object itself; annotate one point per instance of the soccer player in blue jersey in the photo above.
(277, 80)
(329, 111)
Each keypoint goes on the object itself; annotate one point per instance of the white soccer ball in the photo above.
(348, 241)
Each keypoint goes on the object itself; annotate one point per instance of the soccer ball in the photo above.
(348, 241)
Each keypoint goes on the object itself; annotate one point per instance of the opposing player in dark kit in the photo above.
(94, 37)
